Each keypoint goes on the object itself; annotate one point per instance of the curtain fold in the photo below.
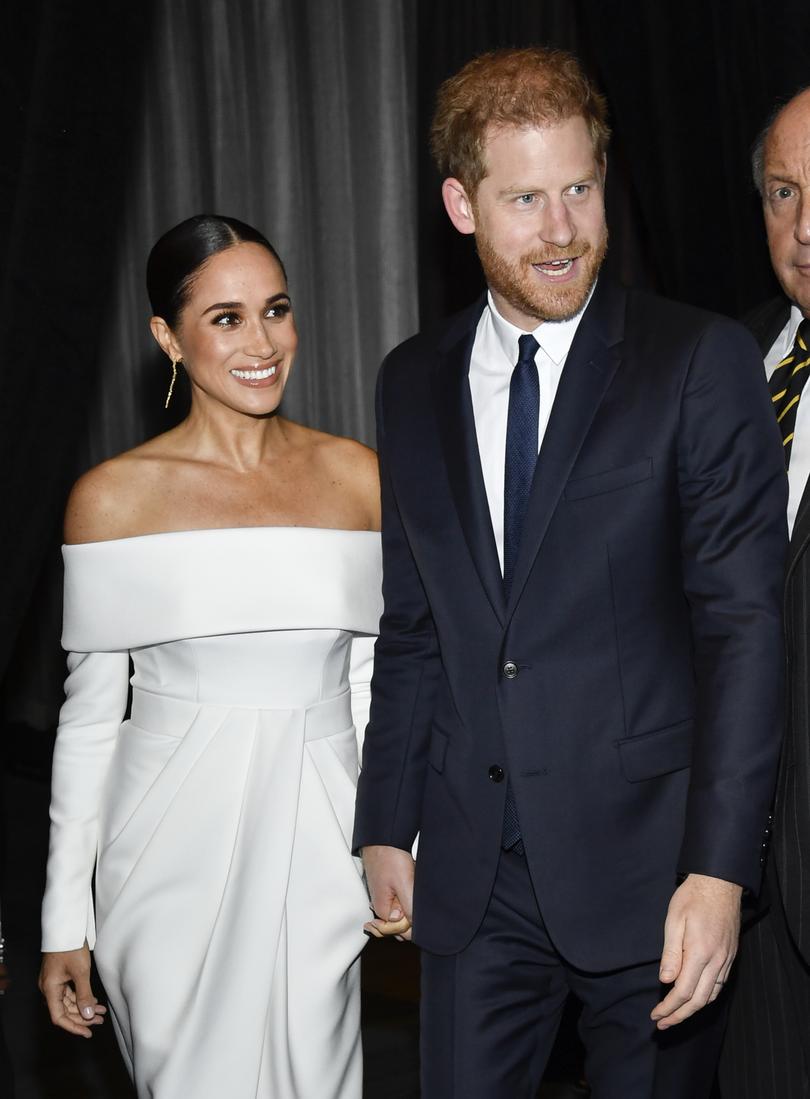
(690, 86)
(296, 116)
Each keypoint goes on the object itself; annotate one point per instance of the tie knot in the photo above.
(527, 348)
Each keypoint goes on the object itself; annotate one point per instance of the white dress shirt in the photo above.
(800, 448)
(494, 355)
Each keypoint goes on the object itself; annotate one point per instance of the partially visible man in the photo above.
(767, 1050)
(578, 680)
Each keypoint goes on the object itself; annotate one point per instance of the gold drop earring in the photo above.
(171, 383)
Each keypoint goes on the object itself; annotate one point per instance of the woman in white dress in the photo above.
(233, 562)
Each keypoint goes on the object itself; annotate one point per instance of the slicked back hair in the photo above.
(178, 256)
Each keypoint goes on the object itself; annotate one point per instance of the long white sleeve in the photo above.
(360, 669)
(95, 702)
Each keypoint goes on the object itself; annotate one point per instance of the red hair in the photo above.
(535, 86)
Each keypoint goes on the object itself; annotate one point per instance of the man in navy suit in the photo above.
(578, 682)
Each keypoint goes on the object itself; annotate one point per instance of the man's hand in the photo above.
(389, 873)
(64, 981)
(700, 942)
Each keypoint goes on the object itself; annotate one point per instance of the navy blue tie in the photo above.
(521, 452)
(521, 458)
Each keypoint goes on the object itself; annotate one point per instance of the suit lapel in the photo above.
(767, 321)
(456, 424)
(587, 373)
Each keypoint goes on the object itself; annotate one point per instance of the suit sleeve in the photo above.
(95, 703)
(733, 497)
(403, 688)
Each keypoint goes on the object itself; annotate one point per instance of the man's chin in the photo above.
(564, 310)
(552, 305)
(533, 295)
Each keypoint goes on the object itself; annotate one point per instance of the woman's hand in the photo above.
(64, 981)
(382, 929)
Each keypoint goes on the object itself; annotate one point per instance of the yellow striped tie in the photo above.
(786, 384)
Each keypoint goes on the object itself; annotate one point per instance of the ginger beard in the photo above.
(531, 293)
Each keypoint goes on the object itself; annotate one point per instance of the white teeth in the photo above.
(555, 267)
(254, 375)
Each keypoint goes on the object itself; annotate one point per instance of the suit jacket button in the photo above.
(510, 669)
(496, 773)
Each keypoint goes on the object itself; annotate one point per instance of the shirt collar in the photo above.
(795, 319)
(555, 337)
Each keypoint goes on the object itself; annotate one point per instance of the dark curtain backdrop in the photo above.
(294, 115)
(70, 97)
(690, 85)
(310, 119)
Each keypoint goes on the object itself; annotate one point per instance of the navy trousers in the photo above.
(490, 1014)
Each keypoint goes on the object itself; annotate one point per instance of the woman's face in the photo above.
(236, 334)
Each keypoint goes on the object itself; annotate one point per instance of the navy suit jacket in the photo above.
(641, 731)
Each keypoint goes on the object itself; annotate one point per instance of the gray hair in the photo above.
(758, 148)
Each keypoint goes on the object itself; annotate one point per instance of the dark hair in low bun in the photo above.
(179, 254)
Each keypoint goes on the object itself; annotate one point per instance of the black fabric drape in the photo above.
(690, 86)
(73, 96)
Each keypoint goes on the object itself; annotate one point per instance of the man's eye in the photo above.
(782, 193)
(526, 200)
(579, 189)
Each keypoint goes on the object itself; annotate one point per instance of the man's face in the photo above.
(786, 200)
(539, 220)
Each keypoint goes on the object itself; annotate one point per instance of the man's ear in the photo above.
(165, 337)
(458, 205)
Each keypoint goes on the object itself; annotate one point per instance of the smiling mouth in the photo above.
(254, 375)
(556, 267)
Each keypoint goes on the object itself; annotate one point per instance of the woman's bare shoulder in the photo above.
(352, 459)
(108, 501)
(351, 455)
(352, 467)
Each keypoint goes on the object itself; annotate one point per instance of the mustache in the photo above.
(549, 255)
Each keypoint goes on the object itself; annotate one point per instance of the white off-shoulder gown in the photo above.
(229, 909)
